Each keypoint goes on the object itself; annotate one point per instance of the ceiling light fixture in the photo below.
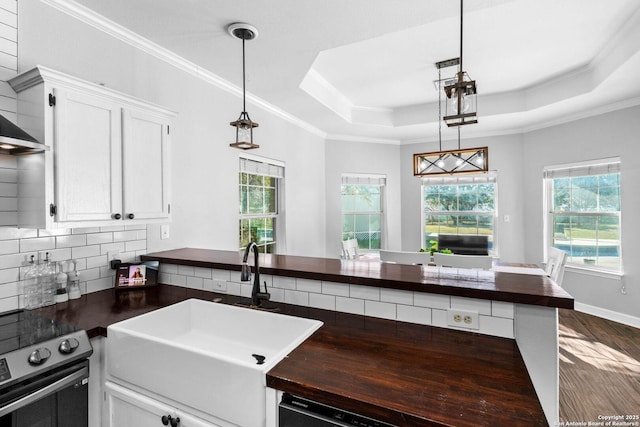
(461, 108)
(467, 160)
(244, 125)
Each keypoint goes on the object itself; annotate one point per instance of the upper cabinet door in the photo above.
(87, 147)
(145, 163)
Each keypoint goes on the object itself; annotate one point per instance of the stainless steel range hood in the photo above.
(15, 141)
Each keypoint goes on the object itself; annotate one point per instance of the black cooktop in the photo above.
(23, 328)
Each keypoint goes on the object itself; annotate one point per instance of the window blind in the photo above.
(362, 179)
(264, 168)
(597, 167)
(461, 179)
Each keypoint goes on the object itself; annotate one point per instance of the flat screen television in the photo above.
(464, 244)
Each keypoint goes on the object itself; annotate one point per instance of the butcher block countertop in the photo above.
(399, 373)
(497, 286)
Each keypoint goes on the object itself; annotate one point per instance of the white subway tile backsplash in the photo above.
(307, 285)
(502, 309)
(442, 302)
(86, 251)
(233, 288)
(112, 228)
(111, 247)
(15, 260)
(245, 289)
(125, 236)
(135, 245)
(413, 314)
(195, 282)
(8, 290)
(326, 302)
(220, 274)
(471, 304)
(296, 297)
(9, 247)
(186, 270)
(383, 310)
(277, 294)
(364, 292)
(168, 268)
(37, 244)
(99, 284)
(205, 273)
(9, 275)
(333, 288)
(97, 261)
(69, 241)
(397, 296)
(178, 280)
(439, 318)
(99, 238)
(7, 233)
(497, 326)
(284, 282)
(85, 230)
(350, 305)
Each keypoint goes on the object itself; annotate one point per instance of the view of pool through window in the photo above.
(585, 218)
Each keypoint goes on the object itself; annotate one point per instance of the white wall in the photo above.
(358, 157)
(505, 157)
(204, 167)
(607, 135)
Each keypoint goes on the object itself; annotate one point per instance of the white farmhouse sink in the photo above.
(200, 354)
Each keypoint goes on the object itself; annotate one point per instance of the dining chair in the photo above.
(483, 262)
(350, 249)
(556, 260)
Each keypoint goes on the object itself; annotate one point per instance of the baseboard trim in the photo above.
(608, 314)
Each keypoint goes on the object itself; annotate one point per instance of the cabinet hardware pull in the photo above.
(116, 216)
(131, 216)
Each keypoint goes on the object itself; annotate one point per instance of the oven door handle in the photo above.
(52, 388)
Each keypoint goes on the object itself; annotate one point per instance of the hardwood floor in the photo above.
(599, 369)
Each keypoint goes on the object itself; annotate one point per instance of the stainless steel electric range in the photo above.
(44, 371)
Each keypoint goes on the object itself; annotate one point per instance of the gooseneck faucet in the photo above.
(245, 275)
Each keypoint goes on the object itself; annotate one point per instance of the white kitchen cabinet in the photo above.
(125, 407)
(108, 162)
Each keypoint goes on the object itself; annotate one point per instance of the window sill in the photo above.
(614, 275)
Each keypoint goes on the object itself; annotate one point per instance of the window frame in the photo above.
(490, 177)
(374, 180)
(590, 168)
(263, 167)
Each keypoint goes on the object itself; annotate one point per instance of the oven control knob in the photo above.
(68, 346)
(39, 356)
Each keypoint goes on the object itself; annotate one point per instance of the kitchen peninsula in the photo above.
(521, 307)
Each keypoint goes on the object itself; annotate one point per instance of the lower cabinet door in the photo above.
(125, 407)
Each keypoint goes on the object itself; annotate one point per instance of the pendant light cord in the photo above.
(440, 107)
(461, 15)
(244, 102)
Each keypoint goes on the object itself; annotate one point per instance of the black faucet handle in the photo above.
(264, 296)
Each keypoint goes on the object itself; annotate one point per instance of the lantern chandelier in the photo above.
(449, 162)
(244, 125)
(461, 94)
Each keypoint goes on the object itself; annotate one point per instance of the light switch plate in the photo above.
(164, 231)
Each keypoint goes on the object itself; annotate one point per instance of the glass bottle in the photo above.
(74, 282)
(61, 284)
(47, 281)
(32, 293)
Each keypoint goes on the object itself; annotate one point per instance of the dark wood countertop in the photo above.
(400, 373)
(509, 287)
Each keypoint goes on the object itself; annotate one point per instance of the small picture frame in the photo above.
(136, 275)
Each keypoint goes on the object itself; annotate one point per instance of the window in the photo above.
(583, 205)
(362, 210)
(459, 205)
(260, 198)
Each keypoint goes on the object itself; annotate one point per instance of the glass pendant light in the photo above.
(244, 125)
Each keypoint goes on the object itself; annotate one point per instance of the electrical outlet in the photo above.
(219, 286)
(463, 319)
(164, 231)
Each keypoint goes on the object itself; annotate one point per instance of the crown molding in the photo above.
(117, 31)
